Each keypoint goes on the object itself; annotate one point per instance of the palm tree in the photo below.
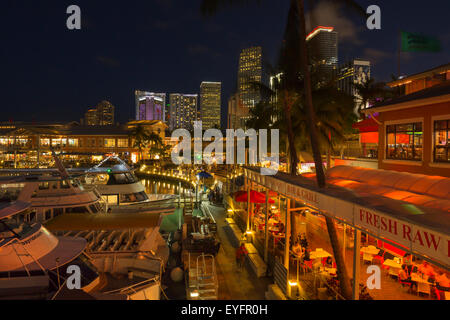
(297, 24)
(369, 91)
(141, 138)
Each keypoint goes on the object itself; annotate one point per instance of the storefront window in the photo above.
(110, 143)
(45, 142)
(72, 142)
(122, 143)
(441, 149)
(404, 141)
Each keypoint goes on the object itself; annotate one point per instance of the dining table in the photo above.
(370, 250)
(423, 285)
(318, 254)
(394, 267)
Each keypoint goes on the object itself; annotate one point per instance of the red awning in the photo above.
(255, 197)
(367, 125)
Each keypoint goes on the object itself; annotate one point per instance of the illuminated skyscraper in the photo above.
(183, 111)
(323, 52)
(150, 106)
(91, 117)
(351, 73)
(105, 113)
(250, 71)
(210, 104)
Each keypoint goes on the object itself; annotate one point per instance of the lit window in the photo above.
(441, 150)
(404, 141)
(109, 143)
(122, 143)
(72, 142)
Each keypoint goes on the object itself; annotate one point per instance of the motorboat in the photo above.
(33, 262)
(119, 187)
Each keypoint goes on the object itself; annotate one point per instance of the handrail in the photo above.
(133, 286)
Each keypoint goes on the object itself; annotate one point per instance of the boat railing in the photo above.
(134, 287)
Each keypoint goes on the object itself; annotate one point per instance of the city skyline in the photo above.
(72, 63)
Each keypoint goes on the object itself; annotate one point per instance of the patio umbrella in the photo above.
(255, 197)
(204, 175)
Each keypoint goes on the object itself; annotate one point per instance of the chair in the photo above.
(405, 283)
(379, 258)
(423, 288)
(307, 265)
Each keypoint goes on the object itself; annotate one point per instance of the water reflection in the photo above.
(160, 186)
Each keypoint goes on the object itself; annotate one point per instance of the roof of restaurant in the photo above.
(420, 75)
(432, 92)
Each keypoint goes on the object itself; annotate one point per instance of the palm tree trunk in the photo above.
(344, 280)
(290, 133)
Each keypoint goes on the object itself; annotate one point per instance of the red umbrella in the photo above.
(255, 197)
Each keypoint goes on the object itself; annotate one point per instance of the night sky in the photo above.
(50, 73)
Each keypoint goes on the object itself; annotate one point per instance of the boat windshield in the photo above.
(121, 178)
(14, 227)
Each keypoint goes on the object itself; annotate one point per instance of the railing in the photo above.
(134, 286)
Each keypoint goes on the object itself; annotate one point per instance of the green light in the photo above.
(412, 209)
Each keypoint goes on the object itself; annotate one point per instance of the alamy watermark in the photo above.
(257, 149)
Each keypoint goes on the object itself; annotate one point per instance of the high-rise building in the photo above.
(210, 104)
(183, 111)
(150, 106)
(105, 113)
(351, 73)
(323, 52)
(238, 114)
(91, 117)
(250, 72)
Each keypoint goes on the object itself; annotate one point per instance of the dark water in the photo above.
(160, 186)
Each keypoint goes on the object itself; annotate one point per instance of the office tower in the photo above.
(210, 104)
(91, 117)
(323, 52)
(238, 114)
(150, 106)
(351, 73)
(183, 111)
(250, 72)
(105, 113)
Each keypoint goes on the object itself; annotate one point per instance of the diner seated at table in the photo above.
(329, 262)
(442, 282)
(297, 249)
(426, 269)
(303, 240)
(306, 255)
(405, 278)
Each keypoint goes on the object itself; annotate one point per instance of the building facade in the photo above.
(150, 106)
(238, 114)
(322, 45)
(352, 73)
(183, 111)
(30, 145)
(91, 117)
(250, 71)
(210, 104)
(414, 132)
(105, 112)
(101, 115)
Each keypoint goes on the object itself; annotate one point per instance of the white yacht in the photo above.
(51, 196)
(33, 262)
(119, 187)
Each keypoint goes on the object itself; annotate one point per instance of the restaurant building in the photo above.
(30, 144)
(414, 131)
